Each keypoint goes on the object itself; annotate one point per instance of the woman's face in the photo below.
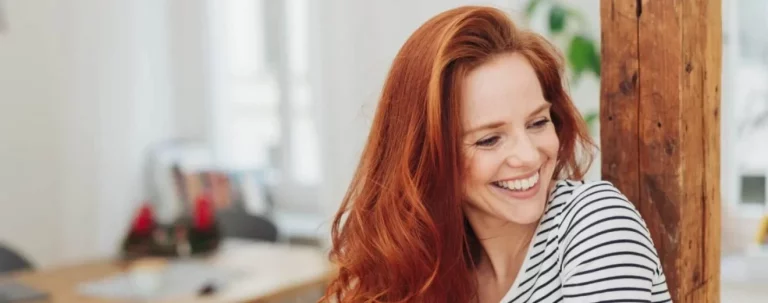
(510, 144)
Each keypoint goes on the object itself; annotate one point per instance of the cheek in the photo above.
(549, 144)
(481, 167)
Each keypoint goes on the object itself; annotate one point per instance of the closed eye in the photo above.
(488, 142)
(540, 123)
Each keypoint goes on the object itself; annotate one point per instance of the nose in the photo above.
(522, 152)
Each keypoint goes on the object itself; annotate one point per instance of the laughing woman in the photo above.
(469, 188)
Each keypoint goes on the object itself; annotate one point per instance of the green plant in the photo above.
(569, 26)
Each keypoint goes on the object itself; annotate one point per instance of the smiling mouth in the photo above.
(518, 185)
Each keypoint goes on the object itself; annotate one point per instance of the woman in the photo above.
(464, 190)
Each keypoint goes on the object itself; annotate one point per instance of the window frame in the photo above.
(285, 187)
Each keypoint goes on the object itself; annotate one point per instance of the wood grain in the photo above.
(678, 130)
(709, 16)
(619, 96)
(662, 192)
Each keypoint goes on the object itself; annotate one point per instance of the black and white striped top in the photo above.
(591, 246)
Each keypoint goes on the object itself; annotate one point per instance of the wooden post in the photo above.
(660, 130)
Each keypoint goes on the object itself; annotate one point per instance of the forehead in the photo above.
(505, 88)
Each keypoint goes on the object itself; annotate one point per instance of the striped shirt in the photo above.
(591, 245)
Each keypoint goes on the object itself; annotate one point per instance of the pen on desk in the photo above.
(208, 289)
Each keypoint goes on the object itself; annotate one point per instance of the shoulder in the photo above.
(592, 206)
(598, 221)
(578, 196)
(606, 251)
(597, 205)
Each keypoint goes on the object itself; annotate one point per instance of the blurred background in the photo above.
(106, 105)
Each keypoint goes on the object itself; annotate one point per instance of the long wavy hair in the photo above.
(400, 234)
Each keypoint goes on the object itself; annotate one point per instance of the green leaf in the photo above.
(557, 15)
(577, 54)
(582, 56)
(531, 7)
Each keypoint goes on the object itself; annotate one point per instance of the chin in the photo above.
(527, 215)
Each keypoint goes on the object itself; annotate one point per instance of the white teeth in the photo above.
(523, 184)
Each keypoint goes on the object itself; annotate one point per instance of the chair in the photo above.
(12, 261)
(235, 222)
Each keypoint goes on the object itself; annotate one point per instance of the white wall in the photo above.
(188, 53)
(85, 88)
(27, 124)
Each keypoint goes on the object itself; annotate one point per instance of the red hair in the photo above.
(400, 235)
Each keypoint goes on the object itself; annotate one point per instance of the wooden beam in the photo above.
(619, 96)
(660, 135)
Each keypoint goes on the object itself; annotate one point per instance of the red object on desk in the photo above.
(144, 222)
(204, 213)
(204, 236)
(139, 242)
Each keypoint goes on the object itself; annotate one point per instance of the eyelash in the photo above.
(541, 123)
(487, 142)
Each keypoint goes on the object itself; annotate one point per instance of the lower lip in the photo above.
(526, 194)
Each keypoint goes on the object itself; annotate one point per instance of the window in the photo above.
(262, 100)
(753, 189)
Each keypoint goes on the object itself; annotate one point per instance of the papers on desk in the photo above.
(179, 278)
(12, 292)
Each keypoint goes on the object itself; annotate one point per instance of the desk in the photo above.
(274, 271)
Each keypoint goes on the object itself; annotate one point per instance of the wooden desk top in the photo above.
(278, 270)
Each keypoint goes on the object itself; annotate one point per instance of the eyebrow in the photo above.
(497, 124)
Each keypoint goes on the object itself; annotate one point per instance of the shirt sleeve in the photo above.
(608, 254)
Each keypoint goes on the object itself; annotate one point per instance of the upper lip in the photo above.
(526, 176)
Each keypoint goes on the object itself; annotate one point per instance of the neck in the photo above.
(504, 244)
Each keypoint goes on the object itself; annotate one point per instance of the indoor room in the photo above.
(199, 150)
